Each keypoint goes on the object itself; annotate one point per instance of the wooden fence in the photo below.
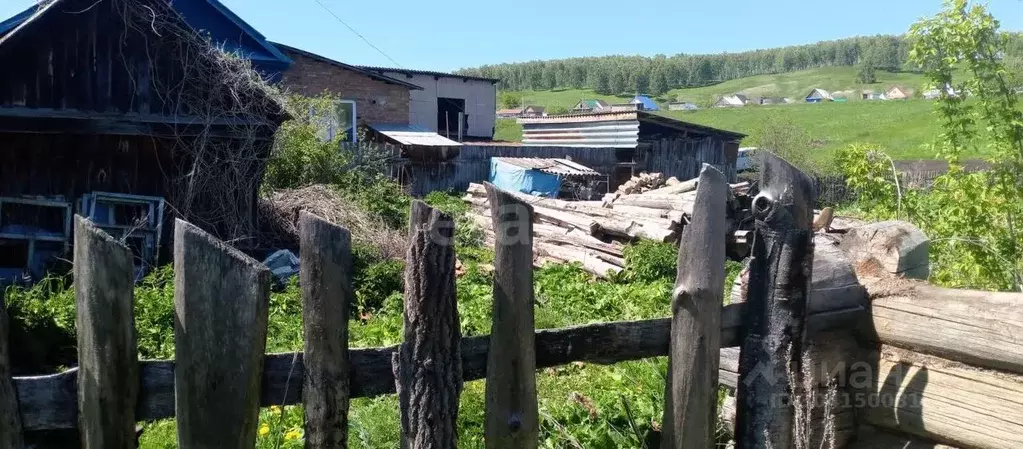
(799, 312)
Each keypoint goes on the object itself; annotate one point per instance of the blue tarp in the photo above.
(520, 179)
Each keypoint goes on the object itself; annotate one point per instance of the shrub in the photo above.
(649, 261)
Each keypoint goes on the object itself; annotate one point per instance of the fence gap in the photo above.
(511, 408)
(326, 295)
(770, 364)
(108, 369)
(428, 365)
(220, 302)
(690, 418)
(10, 419)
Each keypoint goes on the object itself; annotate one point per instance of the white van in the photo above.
(747, 159)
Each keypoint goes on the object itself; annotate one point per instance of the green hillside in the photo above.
(902, 127)
(795, 85)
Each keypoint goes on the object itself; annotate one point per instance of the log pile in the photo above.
(593, 233)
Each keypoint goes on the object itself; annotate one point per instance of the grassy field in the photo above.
(795, 85)
(904, 128)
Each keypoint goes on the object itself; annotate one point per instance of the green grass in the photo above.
(904, 128)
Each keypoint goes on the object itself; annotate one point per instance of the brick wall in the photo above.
(375, 101)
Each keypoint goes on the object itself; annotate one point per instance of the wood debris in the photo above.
(594, 233)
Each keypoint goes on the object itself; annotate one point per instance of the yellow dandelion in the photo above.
(275, 410)
(293, 435)
(264, 430)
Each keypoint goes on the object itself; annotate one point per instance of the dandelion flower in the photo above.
(275, 410)
(264, 430)
(293, 435)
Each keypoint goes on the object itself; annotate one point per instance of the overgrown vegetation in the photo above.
(972, 218)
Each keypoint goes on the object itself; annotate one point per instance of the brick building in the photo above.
(377, 98)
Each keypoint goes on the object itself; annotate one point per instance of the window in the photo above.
(340, 120)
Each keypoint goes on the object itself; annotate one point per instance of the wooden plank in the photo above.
(325, 275)
(944, 401)
(870, 437)
(979, 328)
(220, 302)
(108, 381)
(428, 364)
(779, 282)
(511, 407)
(10, 418)
(690, 418)
(48, 402)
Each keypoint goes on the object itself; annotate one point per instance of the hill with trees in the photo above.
(618, 74)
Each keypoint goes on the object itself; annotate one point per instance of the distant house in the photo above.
(682, 106)
(933, 94)
(534, 111)
(732, 101)
(769, 100)
(819, 96)
(897, 93)
(646, 102)
(871, 95)
(509, 113)
(591, 106)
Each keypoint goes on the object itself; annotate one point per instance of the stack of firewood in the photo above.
(593, 233)
(645, 182)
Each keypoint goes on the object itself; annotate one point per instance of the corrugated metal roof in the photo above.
(647, 102)
(427, 72)
(604, 130)
(413, 135)
(561, 167)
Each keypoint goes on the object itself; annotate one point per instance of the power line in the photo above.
(357, 33)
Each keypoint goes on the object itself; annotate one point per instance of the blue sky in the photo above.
(449, 34)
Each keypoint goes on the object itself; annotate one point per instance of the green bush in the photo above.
(377, 282)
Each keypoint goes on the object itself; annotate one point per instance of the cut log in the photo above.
(565, 236)
(890, 248)
(582, 222)
(635, 230)
(682, 203)
(979, 328)
(681, 187)
(675, 216)
(944, 401)
(590, 262)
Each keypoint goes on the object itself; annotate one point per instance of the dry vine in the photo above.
(216, 171)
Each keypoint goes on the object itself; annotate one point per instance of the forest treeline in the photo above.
(656, 75)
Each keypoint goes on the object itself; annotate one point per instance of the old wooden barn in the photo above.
(120, 111)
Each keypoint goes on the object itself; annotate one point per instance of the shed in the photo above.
(682, 106)
(591, 106)
(898, 93)
(641, 140)
(732, 101)
(120, 106)
(819, 96)
(647, 103)
(416, 142)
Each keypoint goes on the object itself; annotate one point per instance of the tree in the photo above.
(659, 82)
(867, 73)
(511, 100)
(600, 82)
(618, 81)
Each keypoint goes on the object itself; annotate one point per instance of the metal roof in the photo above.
(604, 130)
(411, 72)
(648, 103)
(561, 167)
(339, 64)
(413, 135)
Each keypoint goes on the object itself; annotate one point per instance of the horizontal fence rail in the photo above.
(50, 402)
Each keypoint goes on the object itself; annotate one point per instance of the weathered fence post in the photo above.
(770, 365)
(108, 371)
(220, 303)
(511, 410)
(690, 418)
(428, 364)
(10, 419)
(326, 294)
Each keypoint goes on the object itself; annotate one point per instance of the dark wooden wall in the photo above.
(683, 158)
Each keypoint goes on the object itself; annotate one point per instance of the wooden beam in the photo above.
(512, 419)
(48, 402)
(690, 397)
